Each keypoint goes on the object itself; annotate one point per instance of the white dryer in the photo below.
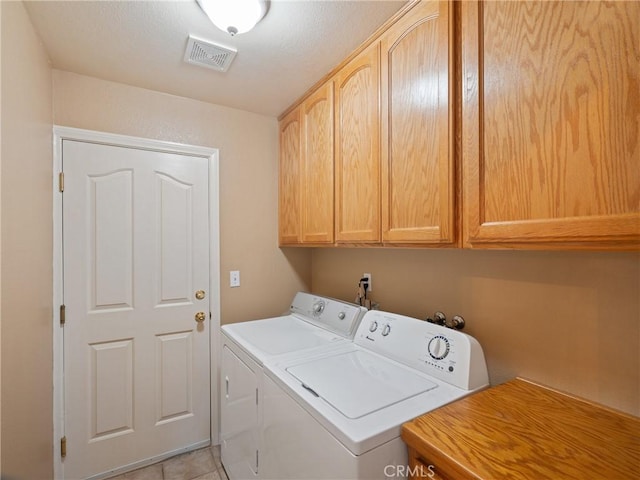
(313, 323)
(338, 414)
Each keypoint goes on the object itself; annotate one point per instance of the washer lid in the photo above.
(357, 383)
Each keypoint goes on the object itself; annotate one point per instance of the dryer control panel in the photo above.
(333, 315)
(450, 355)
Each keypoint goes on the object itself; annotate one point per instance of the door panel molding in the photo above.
(60, 134)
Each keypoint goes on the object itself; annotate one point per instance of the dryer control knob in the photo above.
(373, 327)
(341, 315)
(318, 307)
(386, 330)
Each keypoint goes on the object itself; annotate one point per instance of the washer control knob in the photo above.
(373, 327)
(386, 330)
(341, 315)
(438, 347)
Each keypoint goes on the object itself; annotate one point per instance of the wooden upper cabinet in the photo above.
(317, 167)
(290, 188)
(357, 132)
(550, 115)
(418, 151)
(516, 121)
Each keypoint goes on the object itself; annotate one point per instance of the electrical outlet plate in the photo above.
(368, 277)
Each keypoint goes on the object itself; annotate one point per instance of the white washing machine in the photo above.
(314, 323)
(337, 414)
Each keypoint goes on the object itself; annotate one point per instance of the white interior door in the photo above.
(136, 361)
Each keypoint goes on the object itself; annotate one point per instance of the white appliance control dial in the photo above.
(438, 347)
(341, 315)
(318, 307)
(373, 327)
(386, 330)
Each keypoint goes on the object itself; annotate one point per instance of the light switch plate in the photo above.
(234, 278)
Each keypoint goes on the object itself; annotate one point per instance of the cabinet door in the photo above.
(551, 147)
(357, 149)
(418, 169)
(289, 193)
(317, 167)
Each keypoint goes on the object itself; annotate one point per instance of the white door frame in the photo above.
(67, 133)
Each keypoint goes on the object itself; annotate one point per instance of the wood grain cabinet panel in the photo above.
(418, 161)
(317, 167)
(516, 121)
(290, 187)
(521, 430)
(550, 118)
(419, 468)
(357, 110)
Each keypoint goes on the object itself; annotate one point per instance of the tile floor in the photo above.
(202, 464)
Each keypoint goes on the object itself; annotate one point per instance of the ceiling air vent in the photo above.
(207, 54)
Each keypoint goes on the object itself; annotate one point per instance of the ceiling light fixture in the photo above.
(234, 16)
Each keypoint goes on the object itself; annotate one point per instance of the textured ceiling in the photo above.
(142, 43)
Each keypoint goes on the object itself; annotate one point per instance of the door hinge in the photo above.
(63, 314)
(61, 182)
(63, 447)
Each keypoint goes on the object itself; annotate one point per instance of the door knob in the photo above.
(200, 294)
(200, 316)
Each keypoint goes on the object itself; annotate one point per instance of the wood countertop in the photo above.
(520, 430)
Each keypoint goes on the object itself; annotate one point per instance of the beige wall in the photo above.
(26, 266)
(248, 146)
(570, 320)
